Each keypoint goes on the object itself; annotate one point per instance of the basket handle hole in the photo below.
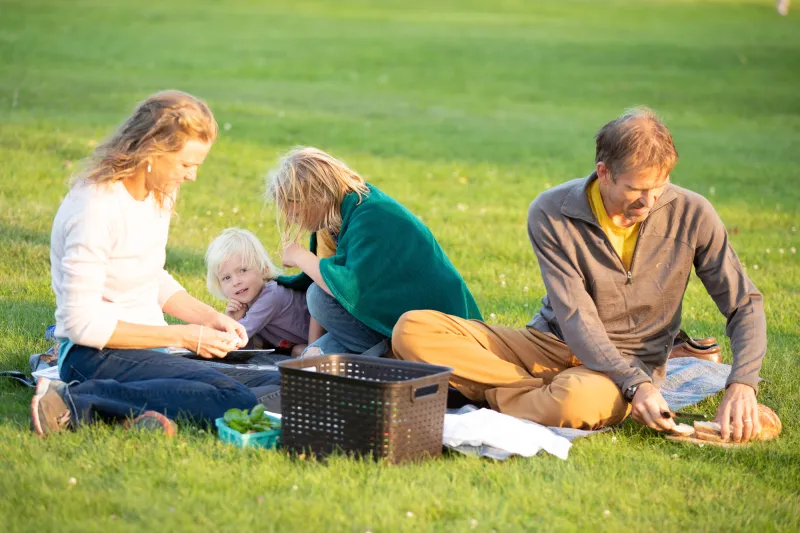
(426, 391)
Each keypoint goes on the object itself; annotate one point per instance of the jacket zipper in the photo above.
(633, 256)
(628, 271)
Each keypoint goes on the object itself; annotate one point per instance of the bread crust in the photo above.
(707, 428)
(770, 427)
(770, 423)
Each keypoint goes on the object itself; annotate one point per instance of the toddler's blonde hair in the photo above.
(232, 242)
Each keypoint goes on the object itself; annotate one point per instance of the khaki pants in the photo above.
(519, 372)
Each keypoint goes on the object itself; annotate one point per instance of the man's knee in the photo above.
(586, 401)
(406, 332)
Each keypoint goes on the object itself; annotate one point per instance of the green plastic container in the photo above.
(263, 439)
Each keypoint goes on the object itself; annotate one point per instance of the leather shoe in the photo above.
(697, 343)
(711, 353)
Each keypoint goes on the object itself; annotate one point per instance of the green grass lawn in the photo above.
(464, 111)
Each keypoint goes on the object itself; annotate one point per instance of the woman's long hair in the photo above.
(315, 182)
(161, 124)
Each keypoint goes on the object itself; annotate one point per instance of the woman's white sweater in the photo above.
(107, 254)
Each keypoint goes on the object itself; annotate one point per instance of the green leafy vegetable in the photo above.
(256, 420)
(257, 413)
(232, 414)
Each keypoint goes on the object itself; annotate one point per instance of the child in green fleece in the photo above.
(370, 261)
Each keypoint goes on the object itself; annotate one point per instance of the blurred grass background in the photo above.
(463, 111)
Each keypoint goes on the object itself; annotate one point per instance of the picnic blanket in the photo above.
(471, 432)
(485, 433)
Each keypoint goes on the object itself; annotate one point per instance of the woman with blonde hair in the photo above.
(371, 260)
(107, 254)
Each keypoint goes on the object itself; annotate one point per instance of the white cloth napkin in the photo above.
(487, 427)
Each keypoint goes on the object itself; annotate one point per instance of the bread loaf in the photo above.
(770, 423)
(707, 428)
(683, 430)
(770, 427)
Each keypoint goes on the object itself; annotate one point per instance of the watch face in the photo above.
(630, 393)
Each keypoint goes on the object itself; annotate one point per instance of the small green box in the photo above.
(263, 439)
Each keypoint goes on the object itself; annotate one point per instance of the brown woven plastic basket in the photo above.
(385, 408)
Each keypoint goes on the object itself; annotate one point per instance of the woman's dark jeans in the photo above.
(113, 384)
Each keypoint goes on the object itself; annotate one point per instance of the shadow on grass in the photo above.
(186, 262)
(20, 313)
(14, 404)
(14, 234)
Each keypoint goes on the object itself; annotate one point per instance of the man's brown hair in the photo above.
(636, 140)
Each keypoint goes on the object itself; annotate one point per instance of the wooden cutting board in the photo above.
(698, 442)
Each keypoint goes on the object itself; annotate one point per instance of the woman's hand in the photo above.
(228, 325)
(292, 255)
(235, 309)
(191, 310)
(208, 342)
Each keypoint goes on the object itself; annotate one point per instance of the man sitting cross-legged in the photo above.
(615, 250)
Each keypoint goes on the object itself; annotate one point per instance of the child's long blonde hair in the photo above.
(316, 182)
(161, 124)
(232, 242)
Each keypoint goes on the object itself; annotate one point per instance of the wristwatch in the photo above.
(630, 392)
